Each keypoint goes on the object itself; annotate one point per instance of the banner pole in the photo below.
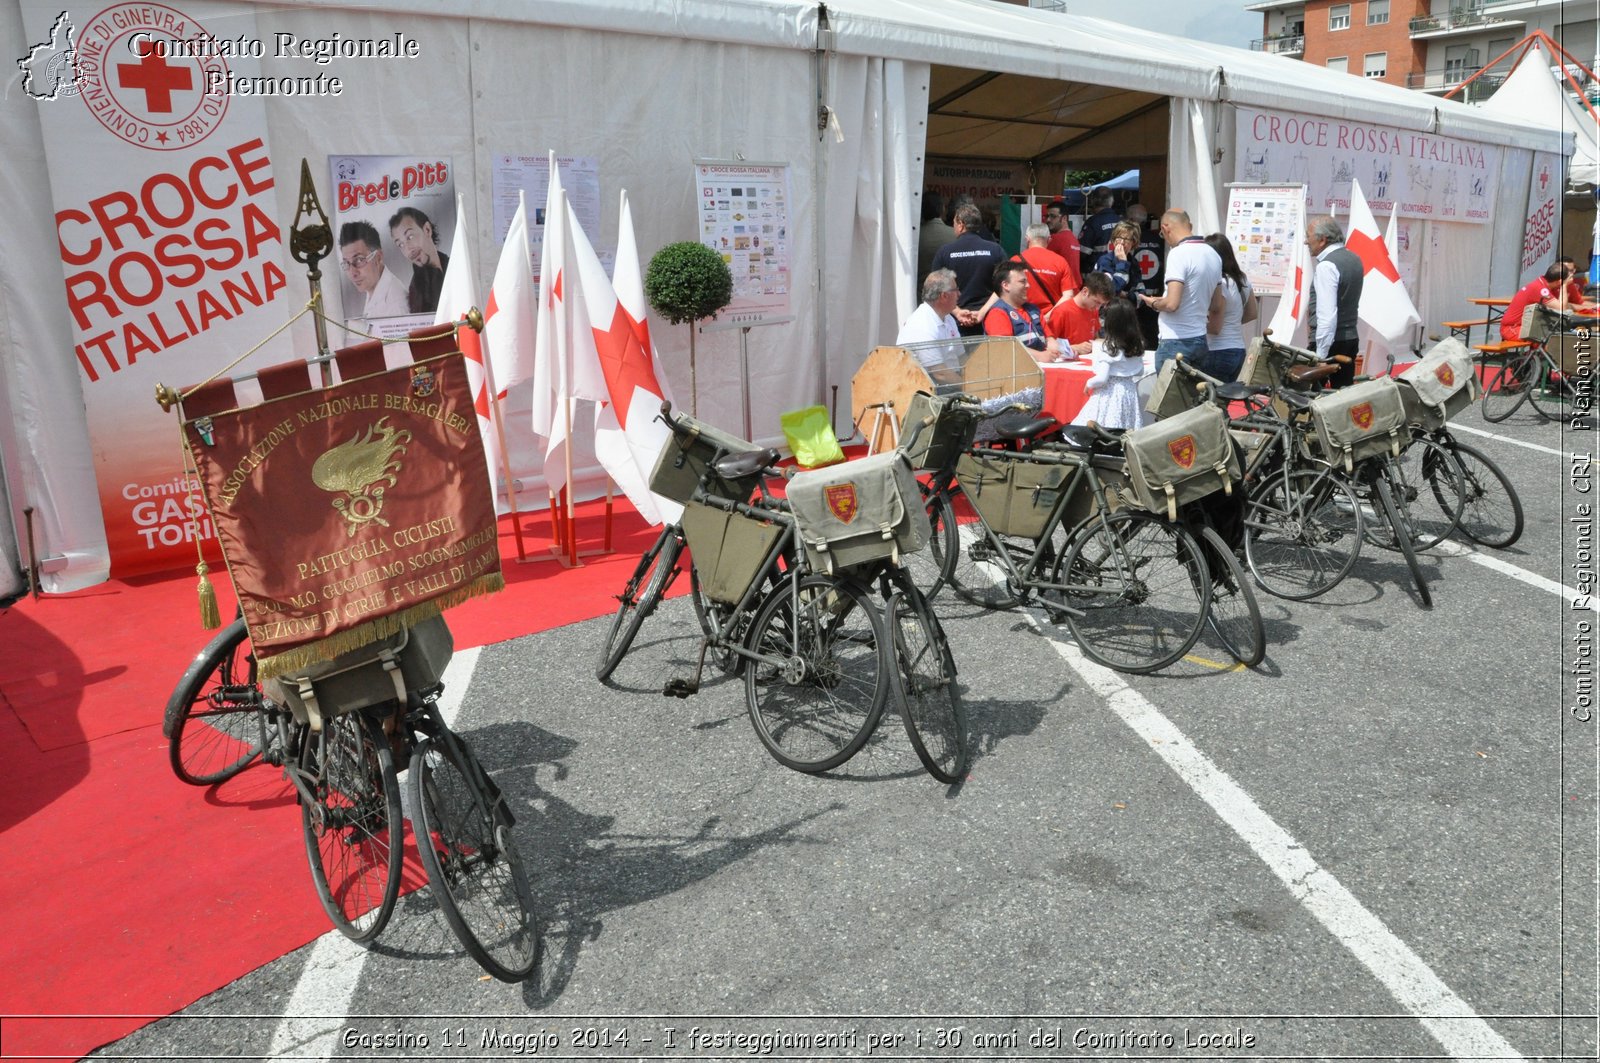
(566, 457)
(511, 483)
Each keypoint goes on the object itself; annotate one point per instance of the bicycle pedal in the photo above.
(680, 688)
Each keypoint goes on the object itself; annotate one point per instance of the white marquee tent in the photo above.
(853, 94)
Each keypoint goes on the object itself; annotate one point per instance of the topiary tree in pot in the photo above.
(686, 282)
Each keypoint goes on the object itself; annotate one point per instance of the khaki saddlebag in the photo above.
(859, 512)
(684, 460)
(1360, 422)
(411, 660)
(1441, 385)
(1183, 458)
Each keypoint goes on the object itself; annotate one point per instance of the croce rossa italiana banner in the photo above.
(349, 511)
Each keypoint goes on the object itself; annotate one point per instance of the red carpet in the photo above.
(128, 894)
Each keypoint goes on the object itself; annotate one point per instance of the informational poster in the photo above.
(1429, 176)
(171, 249)
(1263, 224)
(530, 175)
(393, 219)
(1539, 227)
(744, 217)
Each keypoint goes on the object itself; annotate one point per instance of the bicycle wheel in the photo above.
(1302, 534)
(819, 693)
(1234, 615)
(354, 838)
(1491, 513)
(467, 848)
(1424, 468)
(977, 568)
(1139, 591)
(655, 573)
(213, 721)
(1553, 395)
(1391, 513)
(1506, 387)
(931, 708)
(930, 568)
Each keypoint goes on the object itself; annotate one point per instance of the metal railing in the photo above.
(1441, 80)
(1285, 45)
(1462, 18)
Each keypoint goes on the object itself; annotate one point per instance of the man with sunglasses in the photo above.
(361, 258)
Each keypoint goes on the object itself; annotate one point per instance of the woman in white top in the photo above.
(1225, 325)
(1118, 361)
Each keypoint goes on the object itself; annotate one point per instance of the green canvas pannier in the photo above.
(859, 512)
(1360, 421)
(682, 461)
(1014, 495)
(1441, 385)
(1183, 458)
(950, 433)
(728, 549)
(412, 659)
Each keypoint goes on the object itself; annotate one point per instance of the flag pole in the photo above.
(511, 483)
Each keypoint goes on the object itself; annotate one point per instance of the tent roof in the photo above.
(1531, 89)
(1115, 69)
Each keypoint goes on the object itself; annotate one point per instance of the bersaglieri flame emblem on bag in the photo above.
(1446, 375)
(1361, 415)
(1182, 451)
(360, 469)
(842, 501)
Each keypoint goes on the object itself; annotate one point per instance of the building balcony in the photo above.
(1461, 20)
(1449, 78)
(1275, 5)
(1286, 44)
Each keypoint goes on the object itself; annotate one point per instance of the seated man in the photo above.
(1574, 286)
(1541, 291)
(1074, 322)
(1013, 315)
(931, 332)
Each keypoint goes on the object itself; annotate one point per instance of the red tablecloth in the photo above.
(1063, 389)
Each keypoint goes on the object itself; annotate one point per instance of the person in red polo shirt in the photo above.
(1574, 288)
(1064, 243)
(1075, 321)
(1046, 271)
(1543, 291)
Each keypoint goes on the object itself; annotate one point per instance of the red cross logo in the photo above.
(156, 77)
(1372, 255)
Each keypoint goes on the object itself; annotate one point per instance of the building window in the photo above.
(1376, 64)
(1340, 63)
(1339, 17)
(1377, 12)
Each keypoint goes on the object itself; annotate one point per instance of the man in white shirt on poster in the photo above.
(361, 258)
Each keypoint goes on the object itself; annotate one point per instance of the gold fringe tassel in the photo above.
(302, 657)
(210, 617)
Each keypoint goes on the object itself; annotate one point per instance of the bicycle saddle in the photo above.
(1300, 400)
(1238, 391)
(1305, 375)
(1016, 426)
(1082, 437)
(738, 466)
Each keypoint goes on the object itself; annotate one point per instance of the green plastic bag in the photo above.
(810, 435)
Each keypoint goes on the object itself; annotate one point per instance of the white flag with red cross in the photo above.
(1385, 304)
(457, 295)
(1287, 321)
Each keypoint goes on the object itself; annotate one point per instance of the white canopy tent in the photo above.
(1531, 93)
(853, 95)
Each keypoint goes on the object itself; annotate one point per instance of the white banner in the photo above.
(1443, 178)
(161, 179)
(1540, 224)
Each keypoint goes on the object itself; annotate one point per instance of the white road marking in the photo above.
(1514, 442)
(1403, 973)
(1572, 596)
(319, 1007)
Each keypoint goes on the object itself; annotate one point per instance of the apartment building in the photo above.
(1428, 45)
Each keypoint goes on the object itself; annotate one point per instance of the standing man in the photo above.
(1013, 315)
(972, 259)
(1047, 271)
(1336, 282)
(1193, 283)
(1095, 236)
(1063, 243)
(418, 241)
(361, 258)
(935, 232)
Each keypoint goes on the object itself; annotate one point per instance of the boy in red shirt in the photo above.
(1075, 320)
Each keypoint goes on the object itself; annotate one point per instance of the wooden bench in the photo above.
(1464, 328)
(1497, 351)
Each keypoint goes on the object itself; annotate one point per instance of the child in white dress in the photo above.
(1118, 361)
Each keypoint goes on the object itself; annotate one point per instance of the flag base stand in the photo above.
(563, 534)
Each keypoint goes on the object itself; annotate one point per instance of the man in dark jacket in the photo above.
(1335, 294)
(972, 259)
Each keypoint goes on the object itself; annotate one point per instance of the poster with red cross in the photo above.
(171, 250)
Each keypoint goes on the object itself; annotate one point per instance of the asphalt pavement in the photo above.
(1379, 844)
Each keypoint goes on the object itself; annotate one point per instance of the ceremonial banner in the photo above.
(349, 512)
(1428, 176)
(169, 242)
